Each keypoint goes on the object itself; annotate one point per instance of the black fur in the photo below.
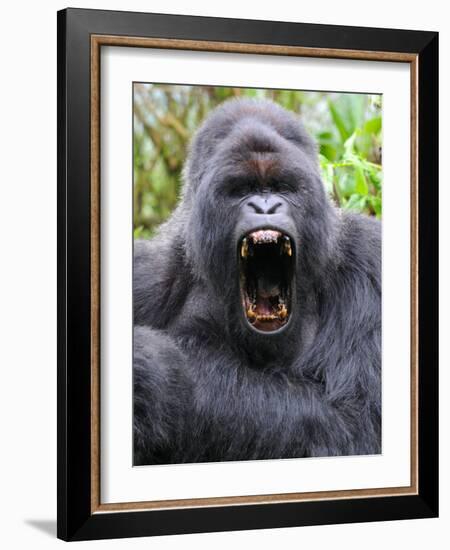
(205, 387)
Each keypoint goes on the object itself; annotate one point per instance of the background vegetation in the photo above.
(346, 126)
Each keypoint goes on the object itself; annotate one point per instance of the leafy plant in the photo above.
(350, 154)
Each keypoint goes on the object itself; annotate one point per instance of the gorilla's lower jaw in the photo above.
(266, 272)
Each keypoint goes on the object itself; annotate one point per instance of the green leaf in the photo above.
(347, 112)
(338, 120)
(372, 126)
(325, 136)
(356, 106)
(361, 186)
(349, 145)
(346, 184)
(356, 202)
(328, 151)
(375, 202)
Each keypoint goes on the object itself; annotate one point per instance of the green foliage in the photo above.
(350, 153)
(347, 128)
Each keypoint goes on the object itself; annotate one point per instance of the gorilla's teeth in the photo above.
(251, 315)
(281, 314)
(265, 236)
(288, 248)
(282, 311)
(244, 248)
(266, 317)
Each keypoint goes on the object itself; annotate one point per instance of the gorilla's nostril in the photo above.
(265, 204)
(256, 208)
(274, 208)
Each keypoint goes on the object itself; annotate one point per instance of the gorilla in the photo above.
(257, 306)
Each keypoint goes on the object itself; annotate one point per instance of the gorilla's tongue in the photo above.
(264, 306)
(266, 296)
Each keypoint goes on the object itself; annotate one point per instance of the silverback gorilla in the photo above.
(257, 307)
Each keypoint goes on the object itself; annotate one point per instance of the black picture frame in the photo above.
(76, 518)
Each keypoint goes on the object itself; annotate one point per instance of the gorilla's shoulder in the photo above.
(154, 255)
(161, 281)
(148, 259)
(360, 242)
(363, 224)
(142, 249)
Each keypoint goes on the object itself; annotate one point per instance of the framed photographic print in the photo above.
(247, 254)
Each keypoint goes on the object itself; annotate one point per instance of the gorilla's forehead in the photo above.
(237, 158)
(251, 139)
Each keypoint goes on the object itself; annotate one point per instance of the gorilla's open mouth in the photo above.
(266, 278)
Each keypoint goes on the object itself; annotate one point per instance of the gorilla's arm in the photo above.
(241, 413)
(161, 397)
(215, 408)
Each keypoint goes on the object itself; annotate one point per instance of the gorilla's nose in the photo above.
(266, 204)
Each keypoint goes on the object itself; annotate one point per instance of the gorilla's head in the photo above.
(258, 225)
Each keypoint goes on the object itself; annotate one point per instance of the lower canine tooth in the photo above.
(244, 248)
(282, 314)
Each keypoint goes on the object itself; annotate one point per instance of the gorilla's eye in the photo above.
(238, 189)
(267, 263)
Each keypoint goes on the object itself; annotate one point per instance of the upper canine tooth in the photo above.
(288, 248)
(244, 248)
